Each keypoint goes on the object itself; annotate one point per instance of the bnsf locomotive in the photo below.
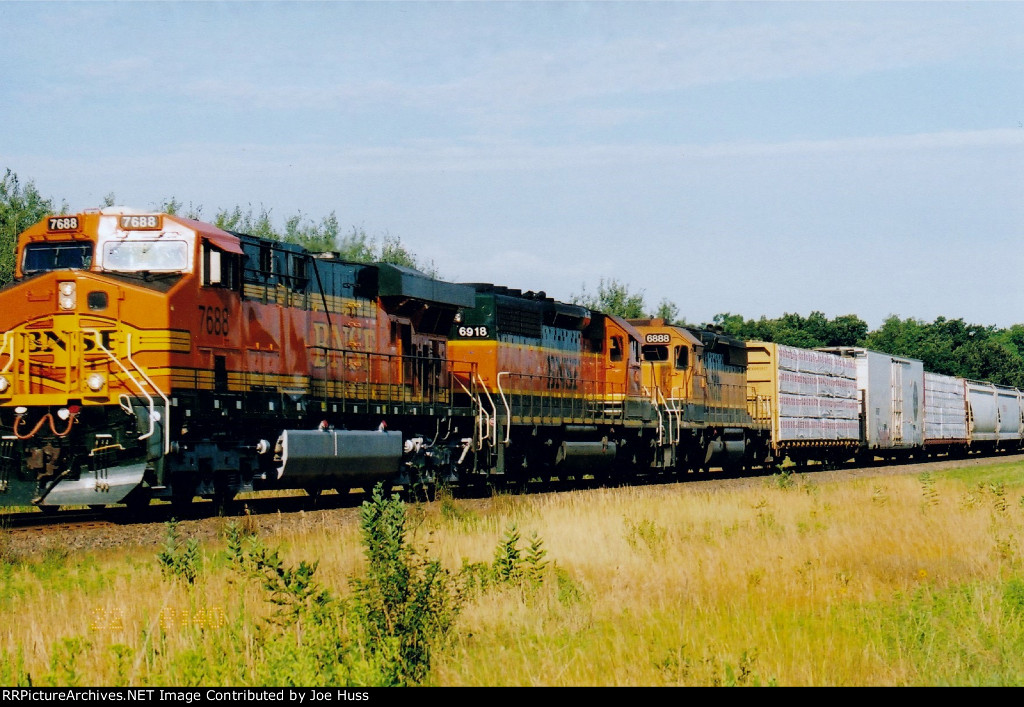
(146, 355)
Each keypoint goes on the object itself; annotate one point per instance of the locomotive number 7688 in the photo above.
(214, 320)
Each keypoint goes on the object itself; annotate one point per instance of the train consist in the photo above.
(149, 356)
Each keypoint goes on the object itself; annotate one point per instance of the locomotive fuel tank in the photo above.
(333, 458)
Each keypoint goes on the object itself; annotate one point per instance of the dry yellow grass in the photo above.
(856, 583)
(685, 587)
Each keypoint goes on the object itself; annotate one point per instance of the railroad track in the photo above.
(160, 513)
(37, 521)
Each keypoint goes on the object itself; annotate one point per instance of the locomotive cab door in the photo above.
(622, 357)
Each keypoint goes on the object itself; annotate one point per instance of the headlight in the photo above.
(68, 298)
(4, 384)
(95, 381)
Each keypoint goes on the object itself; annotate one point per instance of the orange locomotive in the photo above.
(555, 386)
(149, 355)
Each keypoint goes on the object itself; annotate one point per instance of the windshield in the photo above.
(42, 257)
(150, 256)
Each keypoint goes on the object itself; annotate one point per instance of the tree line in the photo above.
(948, 346)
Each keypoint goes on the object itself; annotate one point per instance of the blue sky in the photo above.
(748, 157)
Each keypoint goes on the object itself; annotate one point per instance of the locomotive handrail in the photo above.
(508, 410)
(479, 404)
(661, 426)
(494, 407)
(152, 405)
(673, 416)
(8, 340)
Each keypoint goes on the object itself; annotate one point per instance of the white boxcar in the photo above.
(893, 389)
(945, 409)
(996, 414)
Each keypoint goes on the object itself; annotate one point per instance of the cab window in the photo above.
(220, 269)
(615, 349)
(682, 357)
(655, 352)
(42, 257)
(145, 255)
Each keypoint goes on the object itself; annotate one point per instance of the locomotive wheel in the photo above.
(181, 503)
(137, 501)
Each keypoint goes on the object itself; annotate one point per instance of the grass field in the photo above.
(886, 581)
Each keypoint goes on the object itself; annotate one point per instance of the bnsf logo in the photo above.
(658, 338)
(50, 341)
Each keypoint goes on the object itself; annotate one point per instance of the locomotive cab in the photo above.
(619, 343)
(671, 360)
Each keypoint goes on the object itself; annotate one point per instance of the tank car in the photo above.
(146, 355)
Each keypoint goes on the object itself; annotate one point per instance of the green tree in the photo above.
(254, 224)
(669, 311)
(796, 330)
(174, 207)
(21, 205)
(613, 297)
(319, 237)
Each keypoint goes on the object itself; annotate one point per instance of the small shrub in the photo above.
(646, 534)
(782, 480)
(507, 557)
(179, 560)
(405, 604)
(536, 565)
(999, 504)
(1013, 598)
(569, 591)
(65, 664)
